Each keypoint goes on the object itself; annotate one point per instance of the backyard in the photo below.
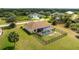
(54, 36)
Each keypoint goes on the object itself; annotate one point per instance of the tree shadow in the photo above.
(9, 48)
(7, 27)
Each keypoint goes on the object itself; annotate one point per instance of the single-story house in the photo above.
(57, 16)
(1, 31)
(35, 16)
(75, 18)
(70, 12)
(39, 27)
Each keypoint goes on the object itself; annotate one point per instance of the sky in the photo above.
(39, 4)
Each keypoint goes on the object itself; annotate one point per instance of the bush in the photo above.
(75, 26)
(12, 25)
(67, 24)
(11, 19)
(77, 36)
(54, 23)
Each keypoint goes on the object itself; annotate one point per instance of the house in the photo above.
(39, 27)
(58, 17)
(35, 16)
(70, 12)
(75, 18)
(1, 31)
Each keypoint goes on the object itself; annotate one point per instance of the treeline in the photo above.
(26, 11)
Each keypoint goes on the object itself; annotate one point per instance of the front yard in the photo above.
(27, 41)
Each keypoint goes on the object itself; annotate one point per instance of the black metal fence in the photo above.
(63, 34)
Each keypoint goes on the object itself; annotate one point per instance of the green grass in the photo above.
(21, 18)
(4, 40)
(2, 22)
(52, 35)
(18, 18)
(27, 42)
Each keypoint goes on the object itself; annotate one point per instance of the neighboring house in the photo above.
(0, 31)
(35, 16)
(39, 27)
(57, 16)
(70, 12)
(75, 17)
(57, 13)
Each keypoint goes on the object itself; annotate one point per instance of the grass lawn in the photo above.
(27, 41)
(2, 22)
(18, 18)
(21, 18)
(52, 35)
(4, 40)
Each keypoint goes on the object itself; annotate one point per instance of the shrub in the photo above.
(12, 25)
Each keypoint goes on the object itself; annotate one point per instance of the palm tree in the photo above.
(13, 37)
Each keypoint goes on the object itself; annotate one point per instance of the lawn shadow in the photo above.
(9, 48)
(7, 27)
(26, 31)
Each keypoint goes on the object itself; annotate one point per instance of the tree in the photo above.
(67, 24)
(11, 19)
(66, 17)
(54, 22)
(12, 25)
(13, 37)
(10, 16)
